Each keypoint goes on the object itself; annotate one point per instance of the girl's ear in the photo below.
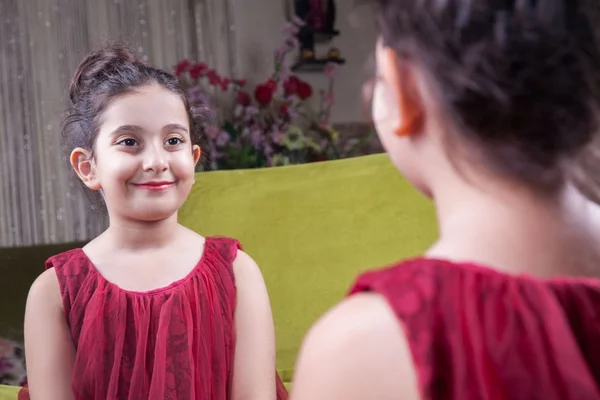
(85, 168)
(403, 82)
(196, 153)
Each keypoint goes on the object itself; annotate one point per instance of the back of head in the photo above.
(517, 78)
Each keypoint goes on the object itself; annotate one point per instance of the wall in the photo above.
(258, 27)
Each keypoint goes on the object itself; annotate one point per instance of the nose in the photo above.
(155, 160)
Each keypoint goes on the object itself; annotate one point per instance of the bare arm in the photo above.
(254, 365)
(357, 351)
(49, 349)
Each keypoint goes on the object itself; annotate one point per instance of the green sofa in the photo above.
(311, 228)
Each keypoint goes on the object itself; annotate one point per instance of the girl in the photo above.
(484, 106)
(149, 309)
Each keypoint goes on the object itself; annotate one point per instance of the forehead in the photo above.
(149, 107)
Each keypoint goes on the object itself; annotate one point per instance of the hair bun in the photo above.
(112, 58)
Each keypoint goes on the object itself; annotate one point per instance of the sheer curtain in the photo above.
(42, 41)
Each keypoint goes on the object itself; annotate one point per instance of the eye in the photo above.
(128, 142)
(174, 141)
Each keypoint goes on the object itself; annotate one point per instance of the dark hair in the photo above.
(104, 75)
(518, 77)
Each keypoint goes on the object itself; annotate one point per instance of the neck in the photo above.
(140, 235)
(506, 225)
(461, 200)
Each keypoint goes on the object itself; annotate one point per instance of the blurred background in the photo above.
(226, 52)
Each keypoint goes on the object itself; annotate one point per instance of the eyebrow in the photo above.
(136, 128)
(174, 127)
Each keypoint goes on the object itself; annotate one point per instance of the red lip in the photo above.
(154, 185)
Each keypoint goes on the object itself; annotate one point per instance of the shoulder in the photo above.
(357, 350)
(245, 269)
(45, 291)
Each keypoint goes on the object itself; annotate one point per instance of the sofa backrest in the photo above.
(312, 228)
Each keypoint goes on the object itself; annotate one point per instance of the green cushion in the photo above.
(9, 392)
(312, 228)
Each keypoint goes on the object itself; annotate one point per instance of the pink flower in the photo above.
(280, 51)
(212, 132)
(268, 149)
(284, 72)
(331, 69)
(294, 43)
(277, 137)
(297, 21)
(222, 139)
(197, 96)
(328, 99)
(290, 29)
(293, 113)
(251, 111)
(5, 365)
(256, 138)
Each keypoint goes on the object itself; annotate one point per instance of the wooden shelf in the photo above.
(316, 65)
(325, 37)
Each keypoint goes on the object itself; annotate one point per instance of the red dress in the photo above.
(475, 333)
(175, 342)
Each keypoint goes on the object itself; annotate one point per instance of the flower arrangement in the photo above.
(272, 125)
(12, 363)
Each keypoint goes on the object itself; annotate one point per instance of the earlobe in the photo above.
(403, 81)
(83, 165)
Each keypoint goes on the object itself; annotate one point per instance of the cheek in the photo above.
(183, 166)
(121, 168)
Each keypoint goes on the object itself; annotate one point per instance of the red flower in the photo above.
(263, 94)
(225, 83)
(290, 86)
(271, 84)
(181, 67)
(243, 98)
(213, 77)
(283, 109)
(304, 90)
(241, 82)
(197, 70)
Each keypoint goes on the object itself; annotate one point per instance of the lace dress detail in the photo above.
(173, 343)
(475, 333)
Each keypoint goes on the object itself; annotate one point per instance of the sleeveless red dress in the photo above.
(174, 343)
(476, 333)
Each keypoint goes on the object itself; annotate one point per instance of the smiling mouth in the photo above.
(154, 185)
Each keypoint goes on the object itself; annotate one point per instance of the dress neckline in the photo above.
(483, 269)
(169, 287)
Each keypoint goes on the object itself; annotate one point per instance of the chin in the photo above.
(153, 213)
